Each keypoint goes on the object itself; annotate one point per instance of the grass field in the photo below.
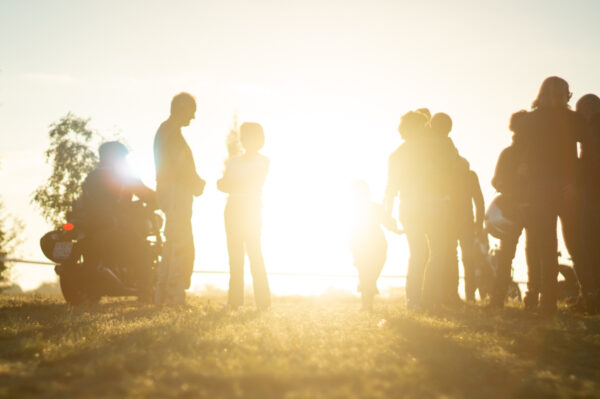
(302, 348)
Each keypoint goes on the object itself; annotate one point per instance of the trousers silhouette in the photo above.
(243, 228)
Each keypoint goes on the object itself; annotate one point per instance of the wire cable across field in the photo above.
(285, 274)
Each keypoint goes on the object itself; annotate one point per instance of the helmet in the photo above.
(502, 218)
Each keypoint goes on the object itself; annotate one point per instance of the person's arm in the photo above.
(144, 193)
(391, 189)
(224, 183)
(478, 200)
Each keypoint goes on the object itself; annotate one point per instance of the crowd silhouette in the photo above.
(549, 171)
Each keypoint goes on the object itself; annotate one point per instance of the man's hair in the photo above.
(441, 124)
(181, 101)
(252, 136)
(114, 148)
(411, 124)
(589, 101)
(554, 93)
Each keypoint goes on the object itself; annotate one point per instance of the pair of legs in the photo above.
(369, 258)
(128, 249)
(591, 226)
(470, 258)
(177, 263)
(551, 204)
(504, 257)
(429, 244)
(243, 228)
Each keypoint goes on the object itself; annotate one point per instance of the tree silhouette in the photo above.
(10, 229)
(72, 158)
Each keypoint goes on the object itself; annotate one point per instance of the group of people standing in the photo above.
(542, 176)
(437, 192)
(551, 171)
(105, 209)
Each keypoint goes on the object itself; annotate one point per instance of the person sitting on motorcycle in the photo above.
(107, 213)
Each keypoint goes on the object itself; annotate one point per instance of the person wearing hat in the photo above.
(177, 183)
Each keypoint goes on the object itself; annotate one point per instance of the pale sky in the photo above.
(328, 80)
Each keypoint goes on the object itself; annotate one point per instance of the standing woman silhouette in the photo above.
(243, 180)
(548, 142)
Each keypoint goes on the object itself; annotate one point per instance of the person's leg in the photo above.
(369, 270)
(503, 258)
(440, 239)
(365, 284)
(182, 251)
(594, 246)
(235, 249)
(187, 252)
(534, 273)
(176, 203)
(450, 277)
(542, 232)
(571, 218)
(434, 291)
(134, 251)
(260, 282)
(418, 254)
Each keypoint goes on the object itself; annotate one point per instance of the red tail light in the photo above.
(68, 226)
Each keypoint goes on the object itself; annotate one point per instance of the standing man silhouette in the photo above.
(177, 183)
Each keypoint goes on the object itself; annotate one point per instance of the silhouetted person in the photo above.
(419, 171)
(509, 180)
(105, 207)
(243, 180)
(588, 106)
(466, 193)
(549, 144)
(177, 183)
(367, 241)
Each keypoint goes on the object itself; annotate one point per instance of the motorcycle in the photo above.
(84, 278)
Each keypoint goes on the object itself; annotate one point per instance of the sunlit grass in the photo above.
(303, 347)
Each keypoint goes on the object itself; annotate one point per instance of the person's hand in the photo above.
(391, 225)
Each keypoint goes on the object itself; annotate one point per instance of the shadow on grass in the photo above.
(203, 350)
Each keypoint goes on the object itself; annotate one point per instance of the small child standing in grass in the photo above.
(367, 241)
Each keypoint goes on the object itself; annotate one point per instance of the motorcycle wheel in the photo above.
(71, 287)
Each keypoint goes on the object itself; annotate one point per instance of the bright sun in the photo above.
(306, 218)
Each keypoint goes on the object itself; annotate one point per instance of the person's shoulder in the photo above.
(94, 174)
(93, 179)
(397, 153)
(164, 130)
(473, 176)
(263, 158)
(233, 160)
(576, 117)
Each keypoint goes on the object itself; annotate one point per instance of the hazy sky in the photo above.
(328, 80)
